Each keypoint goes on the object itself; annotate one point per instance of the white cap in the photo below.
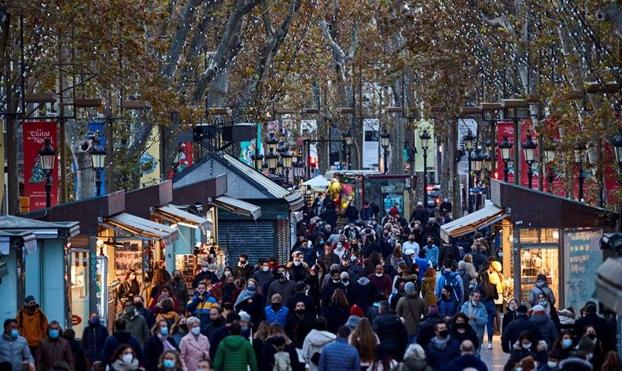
(537, 308)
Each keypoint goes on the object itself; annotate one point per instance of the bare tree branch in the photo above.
(185, 23)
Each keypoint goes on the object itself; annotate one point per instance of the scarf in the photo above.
(119, 365)
(167, 345)
(244, 295)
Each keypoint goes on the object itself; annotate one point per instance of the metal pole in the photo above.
(581, 179)
(48, 188)
(529, 174)
(425, 177)
(384, 155)
(550, 178)
(61, 126)
(468, 192)
(506, 171)
(98, 182)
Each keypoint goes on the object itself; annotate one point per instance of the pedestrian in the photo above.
(443, 349)
(263, 276)
(339, 355)
(93, 339)
(170, 361)
(135, 323)
(525, 346)
(452, 280)
(282, 286)
(448, 304)
(276, 312)
(159, 343)
(204, 364)
(194, 346)
(156, 304)
(338, 311)
(411, 245)
(541, 286)
(179, 288)
(576, 361)
(129, 287)
(219, 335)
(591, 318)
(411, 308)
(381, 281)
(14, 347)
(54, 352)
(120, 336)
(167, 313)
(467, 359)
(32, 323)
(205, 275)
(364, 339)
(516, 327)
(548, 331)
(201, 305)
(139, 304)
(383, 360)
(414, 359)
(235, 353)
(390, 330)
(278, 353)
(363, 293)
(488, 296)
(428, 287)
(425, 332)
(461, 330)
(124, 359)
(476, 311)
(433, 252)
(299, 324)
(251, 301)
(243, 269)
(510, 314)
(315, 342)
(564, 345)
(597, 354)
(79, 359)
(179, 329)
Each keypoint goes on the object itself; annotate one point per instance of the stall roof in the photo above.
(28, 238)
(39, 228)
(174, 214)
(530, 208)
(238, 206)
(143, 227)
(470, 223)
(317, 182)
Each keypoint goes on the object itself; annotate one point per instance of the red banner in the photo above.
(35, 132)
(506, 128)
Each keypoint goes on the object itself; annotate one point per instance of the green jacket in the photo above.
(236, 353)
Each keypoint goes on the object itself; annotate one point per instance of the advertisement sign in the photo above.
(35, 132)
(247, 148)
(371, 144)
(582, 257)
(97, 129)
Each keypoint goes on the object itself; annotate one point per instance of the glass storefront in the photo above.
(535, 261)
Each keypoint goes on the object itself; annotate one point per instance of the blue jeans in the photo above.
(491, 311)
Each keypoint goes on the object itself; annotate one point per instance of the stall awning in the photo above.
(295, 200)
(238, 206)
(174, 214)
(609, 284)
(143, 227)
(481, 218)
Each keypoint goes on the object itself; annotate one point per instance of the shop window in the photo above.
(79, 290)
(543, 235)
(535, 261)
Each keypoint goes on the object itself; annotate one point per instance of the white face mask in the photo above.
(204, 269)
(127, 358)
(195, 331)
(296, 263)
(265, 269)
(552, 364)
(526, 345)
(379, 274)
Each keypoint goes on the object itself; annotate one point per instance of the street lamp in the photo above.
(469, 139)
(425, 143)
(506, 155)
(271, 142)
(549, 157)
(258, 160)
(384, 142)
(347, 137)
(46, 156)
(98, 157)
(580, 155)
(529, 150)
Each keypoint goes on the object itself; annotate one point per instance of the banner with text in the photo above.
(35, 133)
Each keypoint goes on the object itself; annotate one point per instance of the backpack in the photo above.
(452, 282)
(282, 362)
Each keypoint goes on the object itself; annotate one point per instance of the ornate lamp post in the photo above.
(476, 160)
(549, 157)
(425, 144)
(46, 156)
(347, 137)
(529, 150)
(506, 156)
(469, 140)
(287, 158)
(98, 157)
(384, 142)
(580, 155)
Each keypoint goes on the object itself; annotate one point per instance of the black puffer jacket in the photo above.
(392, 333)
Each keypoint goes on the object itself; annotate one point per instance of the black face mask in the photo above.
(300, 311)
(442, 334)
(460, 326)
(177, 278)
(276, 306)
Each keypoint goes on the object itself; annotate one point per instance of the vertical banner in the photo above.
(98, 130)
(247, 148)
(371, 143)
(150, 160)
(35, 132)
(506, 128)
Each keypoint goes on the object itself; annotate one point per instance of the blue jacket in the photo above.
(339, 355)
(480, 317)
(279, 318)
(433, 254)
(15, 351)
(446, 277)
(93, 339)
(439, 357)
(447, 308)
(467, 361)
(200, 308)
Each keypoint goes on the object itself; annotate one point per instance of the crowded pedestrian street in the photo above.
(353, 185)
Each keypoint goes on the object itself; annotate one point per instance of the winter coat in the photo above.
(154, 349)
(508, 317)
(392, 333)
(243, 271)
(200, 307)
(235, 353)
(339, 355)
(335, 316)
(269, 350)
(276, 317)
(382, 284)
(15, 351)
(137, 326)
(253, 306)
(575, 364)
(286, 289)
(179, 290)
(411, 308)
(541, 288)
(480, 317)
(467, 361)
(362, 293)
(605, 332)
(425, 331)
(512, 332)
(93, 339)
(119, 365)
(441, 354)
(32, 326)
(518, 353)
(447, 307)
(170, 318)
(548, 331)
(445, 279)
(112, 343)
(52, 353)
(414, 365)
(432, 254)
(263, 279)
(427, 290)
(468, 334)
(315, 343)
(193, 349)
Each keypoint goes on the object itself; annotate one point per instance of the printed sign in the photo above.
(35, 133)
(582, 257)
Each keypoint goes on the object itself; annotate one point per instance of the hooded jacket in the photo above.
(411, 308)
(363, 293)
(32, 326)
(440, 353)
(575, 364)
(392, 333)
(15, 351)
(236, 353)
(51, 353)
(315, 343)
(541, 288)
(137, 326)
(547, 328)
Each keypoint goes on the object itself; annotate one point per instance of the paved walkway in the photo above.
(494, 358)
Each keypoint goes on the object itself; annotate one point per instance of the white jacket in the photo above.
(314, 343)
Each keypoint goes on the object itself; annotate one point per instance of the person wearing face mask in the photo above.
(93, 338)
(524, 347)
(547, 328)
(251, 301)
(276, 312)
(135, 323)
(123, 359)
(443, 349)
(476, 311)
(32, 323)
(264, 275)
(243, 269)
(510, 314)
(157, 344)
(297, 267)
(129, 287)
(564, 345)
(14, 348)
(333, 283)
(119, 337)
(433, 252)
(591, 318)
(204, 275)
(194, 345)
(54, 350)
(282, 286)
(139, 304)
(461, 330)
(170, 361)
(235, 352)
(299, 324)
(178, 287)
(329, 257)
(301, 296)
(340, 250)
(591, 344)
(179, 329)
(381, 281)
